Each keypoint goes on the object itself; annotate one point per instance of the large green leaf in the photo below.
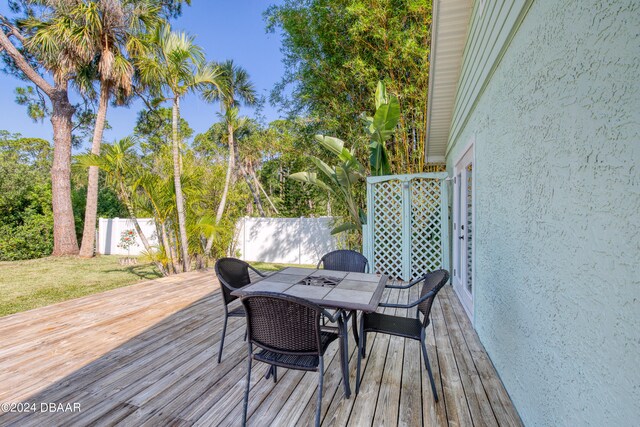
(344, 227)
(362, 215)
(336, 146)
(324, 168)
(381, 94)
(310, 178)
(354, 166)
(379, 160)
(386, 119)
(346, 177)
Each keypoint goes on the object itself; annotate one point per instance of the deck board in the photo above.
(146, 355)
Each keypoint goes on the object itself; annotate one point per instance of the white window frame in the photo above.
(470, 146)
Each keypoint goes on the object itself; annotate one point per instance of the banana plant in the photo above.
(341, 178)
(380, 128)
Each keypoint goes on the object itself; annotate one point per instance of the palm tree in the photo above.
(159, 202)
(118, 162)
(234, 88)
(32, 51)
(175, 66)
(157, 199)
(106, 33)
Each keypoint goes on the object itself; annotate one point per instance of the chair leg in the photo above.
(320, 384)
(245, 405)
(363, 337)
(272, 372)
(224, 331)
(361, 345)
(428, 365)
(245, 335)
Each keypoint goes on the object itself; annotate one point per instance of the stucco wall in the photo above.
(557, 285)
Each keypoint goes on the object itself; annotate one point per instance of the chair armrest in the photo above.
(258, 272)
(408, 285)
(410, 305)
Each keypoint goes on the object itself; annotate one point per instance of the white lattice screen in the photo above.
(407, 224)
(387, 199)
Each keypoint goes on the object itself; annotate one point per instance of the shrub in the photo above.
(31, 239)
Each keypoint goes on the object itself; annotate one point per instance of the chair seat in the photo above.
(307, 363)
(238, 312)
(407, 327)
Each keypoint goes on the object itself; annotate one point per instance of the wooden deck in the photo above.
(146, 355)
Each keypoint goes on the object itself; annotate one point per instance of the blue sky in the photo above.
(225, 29)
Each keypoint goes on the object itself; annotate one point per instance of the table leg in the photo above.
(354, 325)
(344, 354)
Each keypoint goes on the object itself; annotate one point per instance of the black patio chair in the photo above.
(287, 331)
(405, 326)
(346, 260)
(392, 286)
(232, 274)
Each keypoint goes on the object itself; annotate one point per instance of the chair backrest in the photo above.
(283, 323)
(433, 281)
(233, 274)
(344, 260)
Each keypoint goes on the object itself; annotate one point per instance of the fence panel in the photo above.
(285, 240)
(110, 230)
(279, 240)
(407, 224)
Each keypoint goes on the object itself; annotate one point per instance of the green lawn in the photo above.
(35, 283)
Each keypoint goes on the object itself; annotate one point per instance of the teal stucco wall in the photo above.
(557, 233)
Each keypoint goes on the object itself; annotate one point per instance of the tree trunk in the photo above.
(173, 238)
(259, 185)
(182, 220)
(227, 182)
(65, 241)
(91, 209)
(253, 189)
(167, 247)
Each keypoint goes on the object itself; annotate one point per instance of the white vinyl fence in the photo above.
(285, 240)
(279, 240)
(110, 231)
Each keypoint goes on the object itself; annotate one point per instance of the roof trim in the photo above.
(448, 36)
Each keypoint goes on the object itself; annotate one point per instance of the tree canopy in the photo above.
(335, 51)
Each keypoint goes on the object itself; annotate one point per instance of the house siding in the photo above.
(557, 235)
(493, 22)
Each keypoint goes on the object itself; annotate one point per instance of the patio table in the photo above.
(339, 290)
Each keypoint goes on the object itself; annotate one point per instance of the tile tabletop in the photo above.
(352, 291)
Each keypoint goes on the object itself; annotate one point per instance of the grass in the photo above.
(35, 283)
(269, 266)
(25, 285)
